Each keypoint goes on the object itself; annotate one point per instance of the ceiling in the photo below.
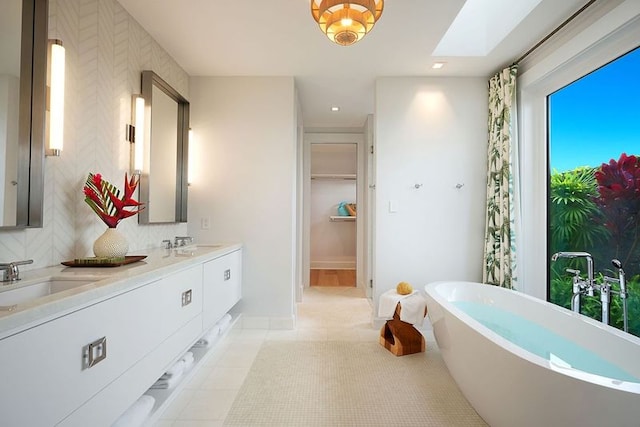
(280, 38)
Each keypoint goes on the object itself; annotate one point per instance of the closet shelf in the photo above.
(339, 218)
(347, 176)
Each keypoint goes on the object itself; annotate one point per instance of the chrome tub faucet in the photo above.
(580, 286)
(588, 286)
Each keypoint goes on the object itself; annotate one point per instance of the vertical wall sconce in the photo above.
(191, 157)
(56, 97)
(135, 134)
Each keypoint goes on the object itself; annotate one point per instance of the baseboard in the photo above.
(333, 265)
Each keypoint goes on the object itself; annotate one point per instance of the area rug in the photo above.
(334, 383)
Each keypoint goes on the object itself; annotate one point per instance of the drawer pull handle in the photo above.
(95, 352)
(186, 297)
(227, 274)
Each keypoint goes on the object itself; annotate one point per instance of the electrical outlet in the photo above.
(204, 223)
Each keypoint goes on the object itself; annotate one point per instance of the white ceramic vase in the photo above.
(110, 244)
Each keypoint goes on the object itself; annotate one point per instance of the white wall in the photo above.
(614, 31)
(106, 51)
(430, 132)
(244, 183)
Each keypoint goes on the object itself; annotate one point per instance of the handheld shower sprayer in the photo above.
(623, 291)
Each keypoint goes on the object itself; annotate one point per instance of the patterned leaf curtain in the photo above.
(499, 251)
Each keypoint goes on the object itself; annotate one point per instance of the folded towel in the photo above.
(412, 306)
(137, 413)
(209, 338)
(413, 309)
(187, 360)
(175, 370)
(166, 383)
(205, 343)
(224, 323)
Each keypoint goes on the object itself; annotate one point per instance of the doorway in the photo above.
(333, 244)
(333, 214)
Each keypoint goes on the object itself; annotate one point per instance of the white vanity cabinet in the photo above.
(54, 370)
(222, 286)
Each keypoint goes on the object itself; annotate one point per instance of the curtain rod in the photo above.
(552, 33)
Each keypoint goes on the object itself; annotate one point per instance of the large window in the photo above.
(594, 183)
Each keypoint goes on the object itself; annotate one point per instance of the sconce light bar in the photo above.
(191, 156)
(135, 133)
(56, 97)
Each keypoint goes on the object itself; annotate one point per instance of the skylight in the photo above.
(481, 25)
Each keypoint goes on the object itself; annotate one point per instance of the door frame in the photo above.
(362, 278)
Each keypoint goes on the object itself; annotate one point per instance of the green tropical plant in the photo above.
(575, 220)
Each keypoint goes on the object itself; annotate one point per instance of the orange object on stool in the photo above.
(401, 338)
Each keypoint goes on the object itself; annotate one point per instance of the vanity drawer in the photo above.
(106, 406)
(222, 286)
(61, 364)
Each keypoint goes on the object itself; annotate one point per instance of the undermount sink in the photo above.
(192, 249)
(29, 292)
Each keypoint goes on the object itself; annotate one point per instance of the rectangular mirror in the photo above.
(23, 49)
(163, 181)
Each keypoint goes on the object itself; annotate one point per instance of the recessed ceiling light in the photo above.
(335, 108)
(437, 65)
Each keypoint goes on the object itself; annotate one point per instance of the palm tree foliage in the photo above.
(575, 220)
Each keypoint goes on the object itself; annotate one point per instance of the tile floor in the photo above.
(330, 313)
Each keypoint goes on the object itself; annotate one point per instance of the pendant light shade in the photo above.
(346, 21)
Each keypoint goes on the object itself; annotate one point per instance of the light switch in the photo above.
(204, 223)
(393, 206)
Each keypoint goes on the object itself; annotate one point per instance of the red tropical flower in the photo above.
(106, 200)
(619, 200)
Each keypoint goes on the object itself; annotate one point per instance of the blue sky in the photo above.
(597, 117)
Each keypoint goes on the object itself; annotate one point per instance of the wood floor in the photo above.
(333, 278)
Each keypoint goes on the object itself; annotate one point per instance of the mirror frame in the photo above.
(149, 81)
(31, 116)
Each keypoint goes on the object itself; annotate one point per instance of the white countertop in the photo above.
(106, 282)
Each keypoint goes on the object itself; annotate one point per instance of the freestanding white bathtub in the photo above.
(576, 371)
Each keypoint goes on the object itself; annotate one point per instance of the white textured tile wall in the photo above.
(106, 51)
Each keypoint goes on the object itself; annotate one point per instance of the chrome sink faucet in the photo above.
(182, 240)
(10, 271)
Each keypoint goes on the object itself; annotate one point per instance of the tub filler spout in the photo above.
(580, 286)
(585, 255)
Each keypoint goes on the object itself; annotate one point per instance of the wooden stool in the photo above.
(401, 338)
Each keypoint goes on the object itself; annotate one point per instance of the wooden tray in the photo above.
(127, 260)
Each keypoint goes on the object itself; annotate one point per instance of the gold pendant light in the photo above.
(346, 21)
